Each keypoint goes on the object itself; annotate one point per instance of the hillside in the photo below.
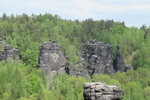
(22, 80)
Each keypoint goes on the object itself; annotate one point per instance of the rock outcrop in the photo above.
(77, 72)
(99, 57)
(101, 91)
(9, 52)
(77, 69)
(51, 58)
(119, 64)
(128, 67)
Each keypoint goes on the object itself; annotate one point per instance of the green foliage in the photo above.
(133, 92)
(30, 57)
(134, 83)
(146, 92)
(16, 81)
(142, 57)
(68, 87)
(121, 77)
(105, 79)
(23, 81)
(28, 32)
(119, 29)
(101, 78)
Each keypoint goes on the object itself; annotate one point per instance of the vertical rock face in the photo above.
(51, 58)
(100, 91)
(119, 64)
(99, 57)
(9, 52)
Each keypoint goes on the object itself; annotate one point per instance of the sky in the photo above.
(132, 12)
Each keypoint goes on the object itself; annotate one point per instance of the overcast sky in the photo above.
(132, 12)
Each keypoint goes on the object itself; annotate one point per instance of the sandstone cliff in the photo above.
(99, 57)
(51, 58)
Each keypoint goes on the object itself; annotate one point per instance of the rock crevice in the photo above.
(119, 64)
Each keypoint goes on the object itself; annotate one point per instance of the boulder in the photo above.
(101, 91)
(99, 57)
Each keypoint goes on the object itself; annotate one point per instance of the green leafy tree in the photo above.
(146, 92)
(133, 92)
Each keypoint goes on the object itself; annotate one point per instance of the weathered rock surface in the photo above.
(128, 67)
(119, 64)
(9, 52)
(77, 69)
(101, 91)
(76, 72)
(99, 57)
(51, 58)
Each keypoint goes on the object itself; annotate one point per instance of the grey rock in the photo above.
(51, 59)
(119, 63)
(101, 91)
(76, 69)
(76, 72)
(128, 67)
(9, 52)
(99, 57)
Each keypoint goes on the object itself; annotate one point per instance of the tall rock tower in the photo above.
(51, 59)
(99, 57)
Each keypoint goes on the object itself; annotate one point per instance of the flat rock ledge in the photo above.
(101, 91)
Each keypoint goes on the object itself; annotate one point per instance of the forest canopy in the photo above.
(23, 81)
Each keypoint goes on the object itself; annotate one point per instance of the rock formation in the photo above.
(77, 69)
(101, 91)
(119, 64)
(99, 57)
(9, 52)
(51, 58)
(128, 67)
(76, 72)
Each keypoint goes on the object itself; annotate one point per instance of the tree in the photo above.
(121, 77)
(146, 92)
(133, 92)
(4, 16)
